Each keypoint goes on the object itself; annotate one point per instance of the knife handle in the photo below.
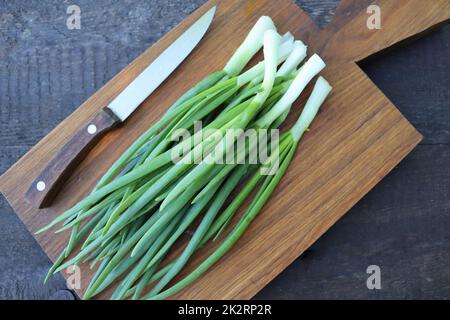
(46, 185)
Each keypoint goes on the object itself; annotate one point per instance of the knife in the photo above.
(46, 185)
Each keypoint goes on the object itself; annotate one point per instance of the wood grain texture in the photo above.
(365, 138)
(56, 172)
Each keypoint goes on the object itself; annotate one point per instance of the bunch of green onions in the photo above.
(128, 225)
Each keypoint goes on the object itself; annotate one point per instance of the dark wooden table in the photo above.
(403, 225)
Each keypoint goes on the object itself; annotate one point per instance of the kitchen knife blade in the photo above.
(141, 87)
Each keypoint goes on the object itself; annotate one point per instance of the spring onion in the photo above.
(174, 174)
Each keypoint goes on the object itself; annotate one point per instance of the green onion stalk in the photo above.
(127, 226)
(147, 145)
(277, 113)
(287, 147)
(152, 142)
(152, 145)
(207, 228)
(170, 211)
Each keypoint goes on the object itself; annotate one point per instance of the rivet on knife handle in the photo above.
(46, 185)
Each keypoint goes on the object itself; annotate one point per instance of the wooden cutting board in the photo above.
(358, 137)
